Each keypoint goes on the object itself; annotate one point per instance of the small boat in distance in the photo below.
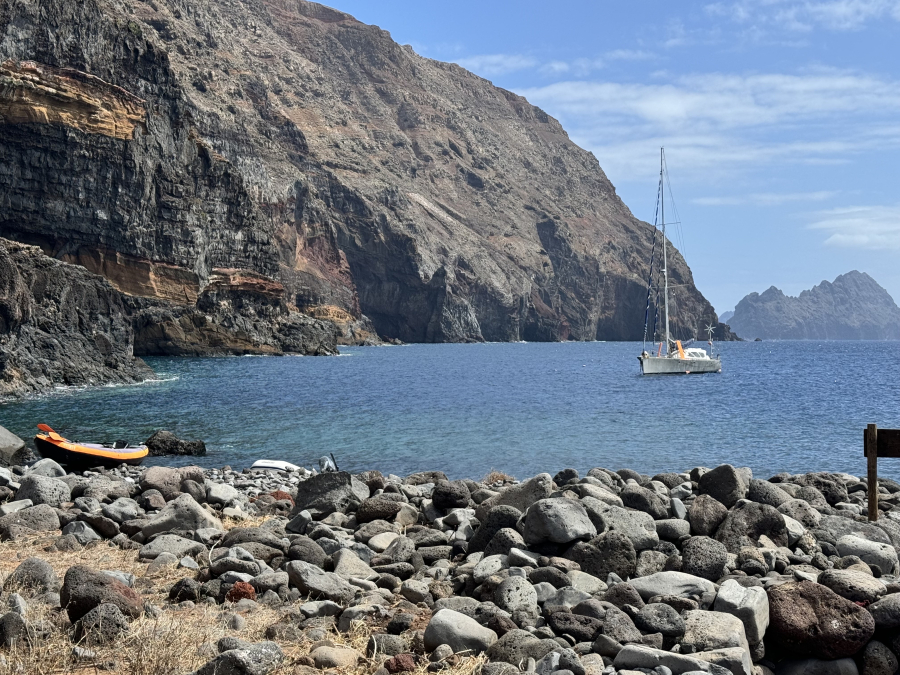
(86, 455)
(671, 358)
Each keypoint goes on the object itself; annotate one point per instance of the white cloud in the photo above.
(766, 198)
(727, 121)
(804, 15)
(497, 64)
(869, 227)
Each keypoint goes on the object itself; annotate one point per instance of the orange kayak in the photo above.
(53, 446)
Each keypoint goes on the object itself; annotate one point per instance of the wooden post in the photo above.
(872, 463)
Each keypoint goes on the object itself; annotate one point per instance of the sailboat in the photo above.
(671, 358)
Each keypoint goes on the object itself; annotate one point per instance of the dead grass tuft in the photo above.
(179, 641)
(497, 477)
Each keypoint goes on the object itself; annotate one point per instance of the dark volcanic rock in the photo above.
(705, 515)
(807, 619)
(746, 522)
(231, 196)
(852, 307)
(83, 589)
(605, 553)
(60, 325)
(166, 443)
(329, 492)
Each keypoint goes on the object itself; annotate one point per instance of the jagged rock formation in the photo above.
(60, 324)
(852, 307)
(176, 146)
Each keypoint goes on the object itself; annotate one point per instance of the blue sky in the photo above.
(780, 118)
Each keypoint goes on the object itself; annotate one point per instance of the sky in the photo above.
(780, 118)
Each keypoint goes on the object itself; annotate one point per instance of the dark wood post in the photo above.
(872, 463)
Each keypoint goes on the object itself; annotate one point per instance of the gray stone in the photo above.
(12, 448)
(517, 646)
(724, 484)
(650, 562)
(259, 659)
(660, 618)
(44, 490)
(567, 597)
(672, 529)
(871, 552)
(747, 522)
(32, 577)
(415, 591)
(12, 507)
(639, 656)
(461, 632)
(645, 500)
(672, 583)
(503, 542)
(316, 582)
(390, 645)
(46, 467)
(182, 513)
(515, 593)
(588, 583)
(221, 493)
(610, 552)
(750, 605)
(707, 631)
(764, 492)
(878, 659)
(329, 492)
(637, 526)
(704, 557)
(853, 585)
(170, 543)
(82, 532)
(886, 611)
(735, 660)
(489, 566)
(705, 515)
(801, 511)
(102, 625)
(349, 566)
(519, 496)
(121, 509)
(559, 521)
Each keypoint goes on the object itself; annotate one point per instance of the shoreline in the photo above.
(299, 572)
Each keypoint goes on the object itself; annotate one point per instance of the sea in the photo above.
(524, 408)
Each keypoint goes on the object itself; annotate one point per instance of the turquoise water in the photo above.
(518, 408)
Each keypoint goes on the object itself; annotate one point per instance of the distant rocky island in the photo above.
(852, 307)
(265, 178)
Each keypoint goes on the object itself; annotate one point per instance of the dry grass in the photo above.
(179, 641)
(497, 477)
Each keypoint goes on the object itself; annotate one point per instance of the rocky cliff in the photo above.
(60, 325)
(158, 142)
(852, 307)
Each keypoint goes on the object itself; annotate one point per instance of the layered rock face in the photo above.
(170, 145)
(60, 324)
(852, 307)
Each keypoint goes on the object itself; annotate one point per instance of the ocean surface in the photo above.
(517, 408)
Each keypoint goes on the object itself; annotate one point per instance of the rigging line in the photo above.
(674, 208)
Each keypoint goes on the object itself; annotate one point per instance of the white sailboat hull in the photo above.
(673, 365)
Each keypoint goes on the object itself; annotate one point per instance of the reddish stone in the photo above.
(402, 663)
(239, 591)
(281, 495)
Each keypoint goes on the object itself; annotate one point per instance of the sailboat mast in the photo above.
(662, 203)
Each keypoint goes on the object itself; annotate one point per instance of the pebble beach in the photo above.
(712, 570)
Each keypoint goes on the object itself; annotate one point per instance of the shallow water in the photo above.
(519, 408)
